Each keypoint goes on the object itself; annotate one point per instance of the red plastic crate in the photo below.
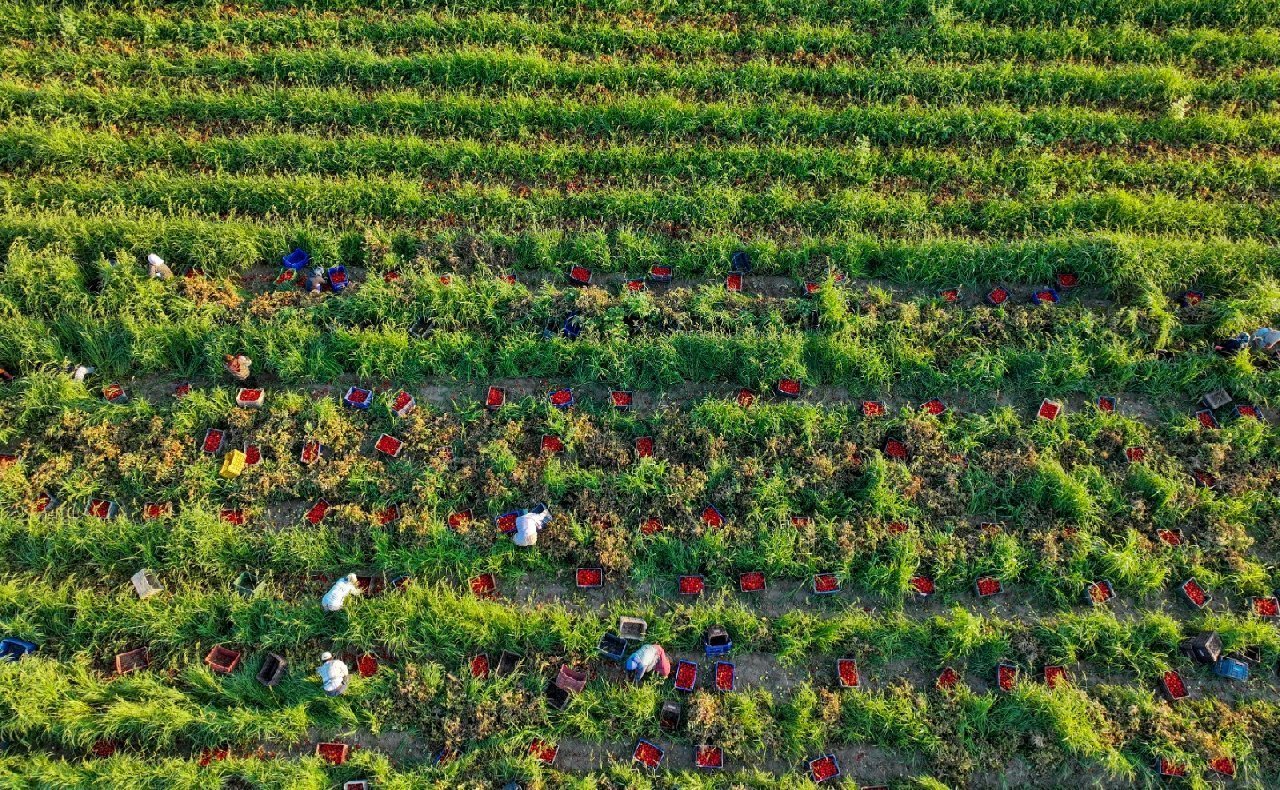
(752, 581)
(1049, 410)
(647, 754)
(621, 399)
(495, 397)
(1169, 537)
(847, 673)
(579, 275)
(233, 516)
(733, 283)
(691, 585)
(544, 752)
(874, 408)
(746, 397)
(222, 659)
(367, 665)
(154, 510)
(403, 405)
(1169, 769)
(997, 296)
(923, 586)
(1267, 607)
(950, 295)
(934, 406)
(1195, 594)
(686, 675)
(811, 287)
(800, 522)
(651, 526)
(1006, 676)
(317, 512)
(212, 441)
(988, 586)
(113, 393)
(1223, 766)
(1106, 404)
(310, 453)
(456, 520)
(788, 387)
(333, 753)
(1173, 686)
(824, 768)
(388, 514)
(484, 585)
(711, 516)
(562, 398)
(1055, 676)
(644, 447)
(551, 445)
(589, 578)
(389, 445)
(708, 757)
(896, 450)
(1206, 419)
(1067, 280)
(725, 675)
(252, 455)
(1135, 455)
(634, 286)
(480, 666)
(825, 583)
(947, 679)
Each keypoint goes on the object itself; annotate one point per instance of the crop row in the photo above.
(1035, 478)
(298, 349)
(1131, 269)
(507, 72)
(1153, 13)
(702, 207)
(626, 118)
(30, 149)
(942, 40)
(435, 634)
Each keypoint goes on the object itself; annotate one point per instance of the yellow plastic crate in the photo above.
(232, 464)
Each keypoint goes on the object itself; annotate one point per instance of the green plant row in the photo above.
(1132, 269)
(618, 34)
(504, 72)
(625, 118)
(37, 149)
(713, 208)
(1239, 14)
(1031, 476)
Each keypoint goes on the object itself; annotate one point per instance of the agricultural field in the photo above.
(879, 333)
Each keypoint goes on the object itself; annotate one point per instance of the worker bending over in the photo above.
(648, 658)
(336, 598)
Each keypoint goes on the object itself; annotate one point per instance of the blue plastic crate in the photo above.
(357, 398)
(298, 259)
(13, 648)
(1231, 669)
(740, 263)
(338, 278)
(1045, 296)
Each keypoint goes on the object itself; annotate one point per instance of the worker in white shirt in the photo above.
(648, 658)
(157, 268)
(333, 674)
(528, 523)
(1265, 339)
(336, 598)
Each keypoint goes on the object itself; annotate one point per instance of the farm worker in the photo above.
(337, 596)
(1233, 345)
(333, 674)
(647, 659)
(157, 268)
(80, 372)
(237, 365)
(528, 524)
(315, 280)
(1265, 339)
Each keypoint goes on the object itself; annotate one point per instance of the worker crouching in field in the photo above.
(315, 281)
(649, 658)
(333, 674)
(157, 268)
(238, 366)
(528, 523)
(336, 598)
